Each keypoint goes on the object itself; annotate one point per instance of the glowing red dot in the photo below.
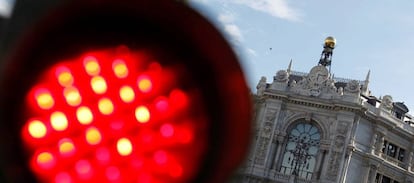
(137, 163)
(102, 154)
(142, 114)
(66, 147)
(176, 171)
(167, 130)
(160, 157)
(179, 99)
(144, 84)
(144, 178)
(37, 129)
(112, 173)
(161, 104)
(84, 169)
(63, 177)
(117, 125)
(46, 160)
(186, 136)
(44, 99)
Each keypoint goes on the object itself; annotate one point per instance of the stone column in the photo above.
(279, 142)
(319, 162)
(379, 145)
(397, 152)
(367, 171)
(372, 173)
(348, 157)
(272, 154)
(373, 143)
(321, 173)
(279, 158)
(409, 160)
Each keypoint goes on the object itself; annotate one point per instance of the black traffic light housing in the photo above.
(170, 30)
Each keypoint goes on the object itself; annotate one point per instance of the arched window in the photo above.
(302, 146)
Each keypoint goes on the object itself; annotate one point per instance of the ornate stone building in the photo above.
(315, 128)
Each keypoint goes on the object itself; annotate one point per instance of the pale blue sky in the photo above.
(376, 35)
(5, 7)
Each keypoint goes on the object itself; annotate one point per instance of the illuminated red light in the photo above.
(37, 129)
(120, 69)
(44, 99)
(66, 147)
(142, 114)
(112, 173)
(45, 160)
(144, 84)
(167, 130)
(160, 157)
(63, 177)
(102, 154)
(103, 118)
(83, 169)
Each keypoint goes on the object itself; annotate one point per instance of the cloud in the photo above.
(234, 31)
(275, 8)
(227, 19)
(5, 8)
(251, 51)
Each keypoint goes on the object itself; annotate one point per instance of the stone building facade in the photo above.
(314, 128)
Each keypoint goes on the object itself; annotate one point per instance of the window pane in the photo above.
(301, 150)
(386, 179)
(392, 150)
(401, 155)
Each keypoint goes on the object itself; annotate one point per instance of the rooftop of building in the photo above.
(319, 82)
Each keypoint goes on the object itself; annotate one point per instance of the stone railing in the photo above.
(393, 161)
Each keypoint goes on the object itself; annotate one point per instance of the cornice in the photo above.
(326, 104)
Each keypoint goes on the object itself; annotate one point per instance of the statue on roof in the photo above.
(261, 86)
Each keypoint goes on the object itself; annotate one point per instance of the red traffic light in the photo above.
(114, 115)
(169, 105)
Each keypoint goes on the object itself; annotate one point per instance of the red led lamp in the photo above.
(123, 92)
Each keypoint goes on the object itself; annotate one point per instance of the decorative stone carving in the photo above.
(330, 86)
(261, 150)
(374, 142)
(270, 115)
(339, 143)
(316, 83)
(379, 145)
(267, 130)
(341, 91)
(386, 102)
(317, 76)
(337, 152)
(333, 167)
(293, 83)
(282, 119)
(342, 128)
(265, 136)
(261, 86)
(352, 86)
(282, 76)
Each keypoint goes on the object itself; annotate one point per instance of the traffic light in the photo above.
(123, 91)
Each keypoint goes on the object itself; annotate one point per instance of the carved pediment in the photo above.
(315, 83)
